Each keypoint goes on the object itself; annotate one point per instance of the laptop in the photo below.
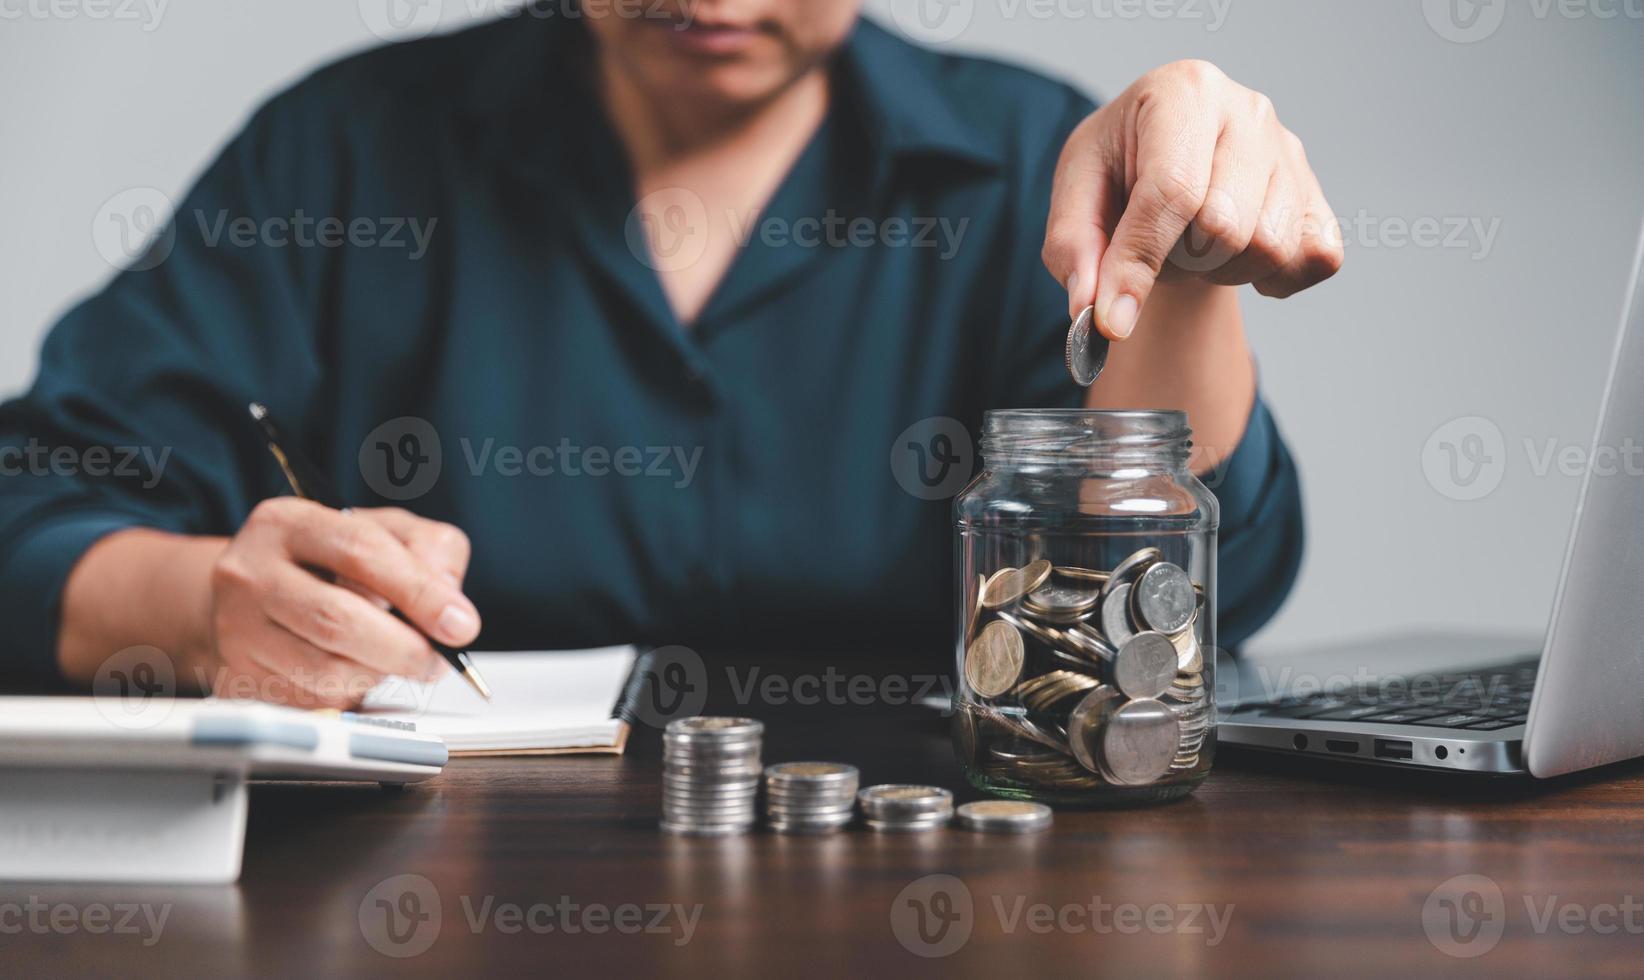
(1491, 704)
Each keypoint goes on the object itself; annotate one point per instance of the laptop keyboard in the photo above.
(1484, 701)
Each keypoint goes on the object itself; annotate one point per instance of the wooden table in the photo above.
(1317, 873)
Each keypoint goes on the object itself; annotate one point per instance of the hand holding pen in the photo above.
(299, 596)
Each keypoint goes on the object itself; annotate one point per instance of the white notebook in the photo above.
(545, 703)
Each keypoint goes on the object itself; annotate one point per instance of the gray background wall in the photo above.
(1517, 120)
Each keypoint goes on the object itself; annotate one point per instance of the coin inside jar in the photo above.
(974, 604)
(1139, 742)
(1044, 634)
(1087, 720)
(1060, 603)
(1145, 665)
(1002, 588)
(1116, 614)
(1091, 575)
(1163, 597)
(1126, 571)
(1034, 574)
(993, 661)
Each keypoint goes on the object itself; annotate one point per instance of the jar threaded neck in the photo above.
(1149, 439)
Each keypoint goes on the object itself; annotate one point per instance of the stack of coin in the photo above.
(893, 807)
(1078, 678)
(710, 775)
(809, 797)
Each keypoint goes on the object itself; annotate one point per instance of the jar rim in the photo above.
(1046, 435)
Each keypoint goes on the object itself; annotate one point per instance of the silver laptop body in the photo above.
(1495, 705)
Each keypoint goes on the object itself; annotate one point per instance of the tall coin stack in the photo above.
(710, 775)
(810, 797)
(1081, 678)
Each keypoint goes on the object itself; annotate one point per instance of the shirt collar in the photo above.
(523, 96)
(901, 101)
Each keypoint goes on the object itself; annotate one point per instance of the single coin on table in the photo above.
(1004, 816)
(1086, 349)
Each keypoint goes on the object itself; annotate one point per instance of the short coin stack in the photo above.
(810, 797)
(895, 807)
(1079, 678)
(710, 775)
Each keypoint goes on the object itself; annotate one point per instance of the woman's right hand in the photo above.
(300, 597)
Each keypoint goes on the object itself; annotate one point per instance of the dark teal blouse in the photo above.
(441, 292)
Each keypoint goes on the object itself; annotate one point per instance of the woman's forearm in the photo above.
(1188, 352)
(139, 588)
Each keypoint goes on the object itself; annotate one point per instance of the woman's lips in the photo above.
(709, 39)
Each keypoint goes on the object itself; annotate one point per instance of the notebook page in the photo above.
(542, 700)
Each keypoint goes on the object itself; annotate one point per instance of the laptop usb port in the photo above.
(1394, 748)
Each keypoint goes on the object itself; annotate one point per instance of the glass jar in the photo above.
(1087, 610)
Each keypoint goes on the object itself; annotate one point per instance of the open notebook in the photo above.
(546, 703)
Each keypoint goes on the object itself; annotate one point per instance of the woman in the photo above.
(664, 420)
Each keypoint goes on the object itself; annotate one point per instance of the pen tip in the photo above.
(471, 674)
(259, 411)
